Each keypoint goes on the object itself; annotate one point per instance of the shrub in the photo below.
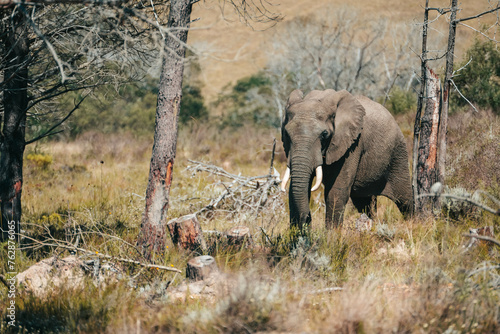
(192, 105)
(42, 161)
(401, 101)
(479, 80)
(249, 102)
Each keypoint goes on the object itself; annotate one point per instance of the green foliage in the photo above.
(245, 84)
(131, 108)
(479, 80)
(401, 101)
(249, 102)
(192, 105)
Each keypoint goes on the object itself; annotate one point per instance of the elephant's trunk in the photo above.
(300, 190)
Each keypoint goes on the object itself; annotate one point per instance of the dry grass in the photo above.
(236, 51)
(404, 276)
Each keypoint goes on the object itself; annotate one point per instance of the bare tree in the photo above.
(46, 51)
(429, 144)
(153, 228)
(338, 51)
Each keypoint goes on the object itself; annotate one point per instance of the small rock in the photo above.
(51, 273)
(363, 223)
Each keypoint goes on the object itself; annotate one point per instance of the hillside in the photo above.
(232, 50)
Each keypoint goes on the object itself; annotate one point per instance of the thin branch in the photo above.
(101, 255)
(49, 132)
(483, 237)
(49, 45)
(465, 199)
(479, 31)
(478, 15)
(462, 95)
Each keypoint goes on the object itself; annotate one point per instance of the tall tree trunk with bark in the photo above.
(153, 228)
(427, 164)
(450, 56)
(15, 101)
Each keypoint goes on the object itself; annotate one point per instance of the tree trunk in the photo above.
(450, 55)
(12, 137)
(421, 97)
(427, 168)
(153, 230)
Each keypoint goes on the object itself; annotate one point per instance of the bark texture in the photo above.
(427, 166)
(201, 267)
(186, 233)
(153, 230)
(421, 97)
(450, 56)
(12, 136)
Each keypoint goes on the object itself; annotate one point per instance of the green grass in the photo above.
(403, 276)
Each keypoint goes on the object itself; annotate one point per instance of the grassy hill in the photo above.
(233, 50)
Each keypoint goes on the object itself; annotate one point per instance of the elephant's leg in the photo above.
(335, 201)
(398, 187)
(365, 204)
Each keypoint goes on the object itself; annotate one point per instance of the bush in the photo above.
(130, 109)
(249, 102)
(42, 161)
(192, 105)
(401, 101)
(479, 81)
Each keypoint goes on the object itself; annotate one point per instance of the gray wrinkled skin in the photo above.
(358, 144)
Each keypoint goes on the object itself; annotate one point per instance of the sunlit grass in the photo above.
(404, 275)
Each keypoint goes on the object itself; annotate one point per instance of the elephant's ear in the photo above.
(348, 123)
(295, 97)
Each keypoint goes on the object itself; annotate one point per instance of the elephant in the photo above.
(352, 145)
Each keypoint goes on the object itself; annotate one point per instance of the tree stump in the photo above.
(201, 267)
(186, 232)
(239, 235)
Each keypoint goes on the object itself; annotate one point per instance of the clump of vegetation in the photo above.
(249, 102)
(40, 160)
(401, 101)
(479, 77)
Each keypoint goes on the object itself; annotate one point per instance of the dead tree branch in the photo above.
(241, 192)
(483, 237)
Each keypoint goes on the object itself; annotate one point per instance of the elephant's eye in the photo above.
(324, 134)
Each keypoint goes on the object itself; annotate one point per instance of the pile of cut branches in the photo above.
(241, 194)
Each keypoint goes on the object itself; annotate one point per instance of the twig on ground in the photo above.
(482, 237)
(62, 244)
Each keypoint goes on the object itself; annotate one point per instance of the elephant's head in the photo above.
(317, 129)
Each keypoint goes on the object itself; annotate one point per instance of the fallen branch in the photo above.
(482, 237)
(242, 193)
(61, 244)
(437, 187)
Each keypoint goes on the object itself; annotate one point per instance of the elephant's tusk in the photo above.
(286, 177)
(319, 178)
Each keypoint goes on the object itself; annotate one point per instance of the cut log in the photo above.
(186, 232)
(201, 267)
(239, 235)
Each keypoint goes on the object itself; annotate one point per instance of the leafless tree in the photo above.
(47, 50)
(153, 228)
(429, 147)
(339, 51)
